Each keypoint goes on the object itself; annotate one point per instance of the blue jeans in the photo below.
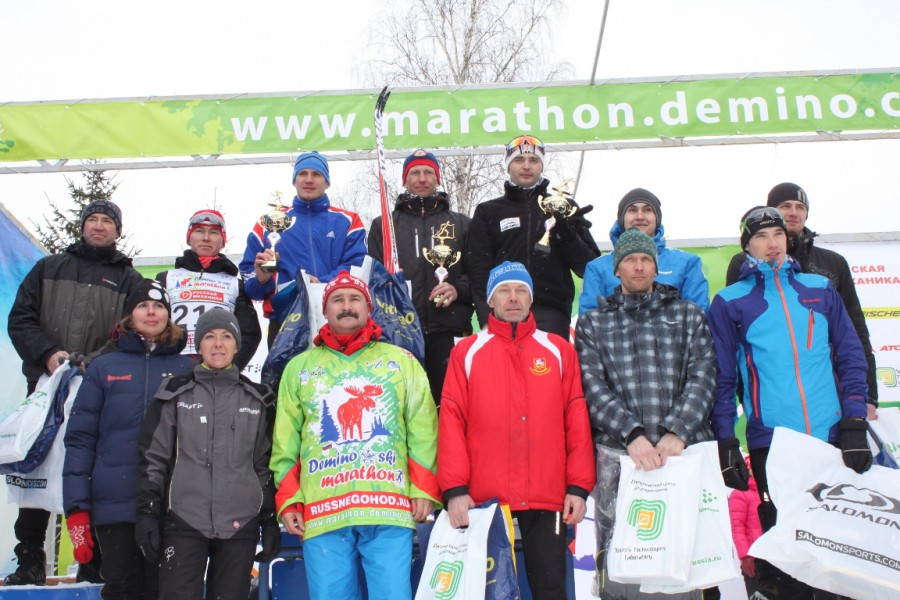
(332, 563)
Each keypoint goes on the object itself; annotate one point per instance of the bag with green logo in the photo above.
(714, 559)
(475, 563)
(656, 521)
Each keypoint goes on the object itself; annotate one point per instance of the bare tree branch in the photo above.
(439, 42)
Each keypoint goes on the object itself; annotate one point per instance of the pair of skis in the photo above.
(389, 240)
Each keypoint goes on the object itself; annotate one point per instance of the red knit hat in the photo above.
(421, 157)
(346, 280)
(206, 218)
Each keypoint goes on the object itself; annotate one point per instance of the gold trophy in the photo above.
(441, 255)
(557, 204)
(275, 222)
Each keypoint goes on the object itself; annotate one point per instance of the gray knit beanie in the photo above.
(217, 318)
(634, 197)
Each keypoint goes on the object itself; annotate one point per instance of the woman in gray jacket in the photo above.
(205, 487)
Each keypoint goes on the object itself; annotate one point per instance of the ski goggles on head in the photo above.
(524, 144)
(206, 218)
(760, 218)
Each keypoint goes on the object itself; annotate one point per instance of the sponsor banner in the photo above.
(622, 110)
(875, 267)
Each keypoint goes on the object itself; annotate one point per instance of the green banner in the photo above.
(444, 118)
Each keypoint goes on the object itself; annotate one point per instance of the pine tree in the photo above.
(329, 430)
(62, 227)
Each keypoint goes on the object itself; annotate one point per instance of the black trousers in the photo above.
(437, 356)
(184, 562)
(126, 574)
(552, 320)
(544, 545)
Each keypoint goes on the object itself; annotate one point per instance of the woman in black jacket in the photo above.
(101, 463)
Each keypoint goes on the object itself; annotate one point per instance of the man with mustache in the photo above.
(354, 451)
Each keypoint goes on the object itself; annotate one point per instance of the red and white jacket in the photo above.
(513, 422)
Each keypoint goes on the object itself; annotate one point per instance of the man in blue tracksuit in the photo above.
(323, 241)
(801, 362)
(642, 209)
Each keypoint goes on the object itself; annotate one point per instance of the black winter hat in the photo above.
(106, 207)
(148, 289)
(787, 191)
(759, 217)
(635, 196)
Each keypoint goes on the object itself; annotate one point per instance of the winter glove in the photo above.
(734, 469)
(79, 525)
(148, 538)
(78, 360)
(855, 444)
(271, 541)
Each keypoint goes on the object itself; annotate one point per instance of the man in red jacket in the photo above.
(514, 425)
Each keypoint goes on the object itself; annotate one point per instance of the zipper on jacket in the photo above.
(809, 334)
(312, 249)
(416, 229)
(790, 327)
(754, 386)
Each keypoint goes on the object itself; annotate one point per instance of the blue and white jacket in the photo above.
(323, 241)
(677, 268)
(799, 357)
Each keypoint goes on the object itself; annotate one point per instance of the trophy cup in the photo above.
(441, 255)
(275, 222)
(557, 204)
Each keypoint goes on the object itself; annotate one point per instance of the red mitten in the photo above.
(79, 524)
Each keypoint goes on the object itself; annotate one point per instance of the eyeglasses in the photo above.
(524, 140)
(207, 218)
(764, 216)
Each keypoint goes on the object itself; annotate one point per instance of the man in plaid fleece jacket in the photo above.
(648, 369)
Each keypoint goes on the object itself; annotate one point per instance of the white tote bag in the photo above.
(714, 559)
(887, 428)
(656, 519)
(837, 530)
(455, 566)
(20, 429)
(42, 488)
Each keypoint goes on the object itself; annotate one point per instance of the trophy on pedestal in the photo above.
(556, 205)
(275, 222)
(441, 255)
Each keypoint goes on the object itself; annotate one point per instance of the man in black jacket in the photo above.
(430, 243)
(510, 227)
(793, 204)
(66, 308)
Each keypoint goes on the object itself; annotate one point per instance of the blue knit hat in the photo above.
(312, 160)
(509, 272)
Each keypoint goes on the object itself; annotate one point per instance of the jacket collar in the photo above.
(132, 341)
(190, 261)
(107, 254)
(514, 192)
(227, 376)
(659, 238)
(757, 267)
(370, 332)
(511, 331)
(316, 206)
(660, 295)
(437, 202)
